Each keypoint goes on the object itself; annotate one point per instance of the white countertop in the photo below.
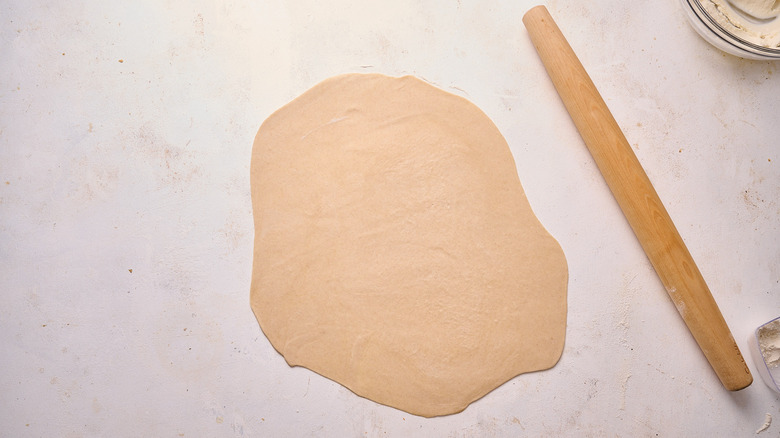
(126, 223)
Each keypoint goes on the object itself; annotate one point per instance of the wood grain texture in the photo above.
(638, 200)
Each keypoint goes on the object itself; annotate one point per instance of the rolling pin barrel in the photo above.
(638, 200)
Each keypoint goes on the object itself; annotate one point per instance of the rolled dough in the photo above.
(395, 251)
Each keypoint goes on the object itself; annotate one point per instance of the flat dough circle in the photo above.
(395, 251)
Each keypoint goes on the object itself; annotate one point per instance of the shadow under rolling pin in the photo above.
(638, 200)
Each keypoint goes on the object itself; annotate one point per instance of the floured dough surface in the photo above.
(395, 251)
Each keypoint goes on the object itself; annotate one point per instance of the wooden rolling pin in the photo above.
(638, 200)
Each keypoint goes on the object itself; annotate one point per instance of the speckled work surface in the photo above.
(126, 223)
